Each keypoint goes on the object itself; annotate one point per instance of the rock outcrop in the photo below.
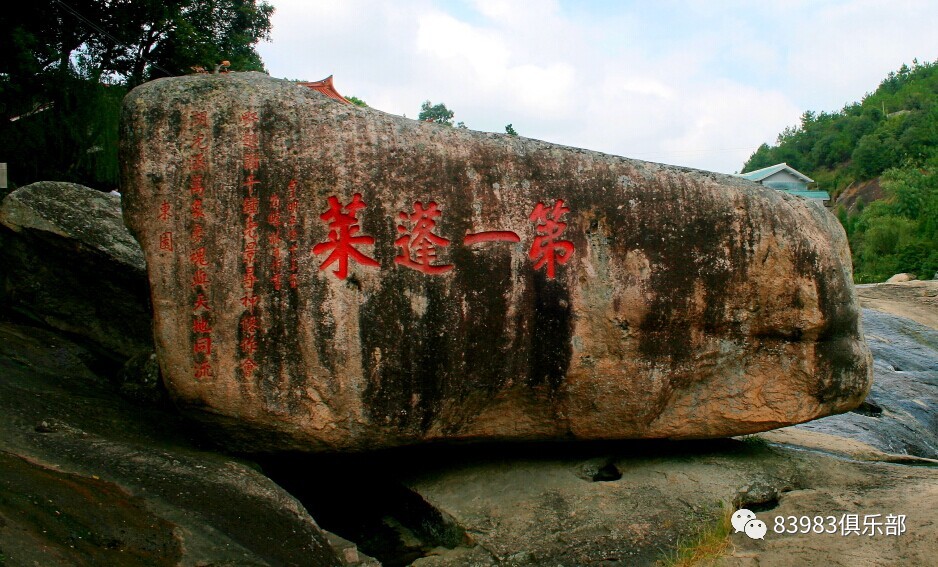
(87, 478)
(901, 278)
(900, 322)
(328, 277)
(858, 195)
(916, 300)
(70, 263)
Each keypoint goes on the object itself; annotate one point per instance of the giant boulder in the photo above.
(69, 262)
(328, 277)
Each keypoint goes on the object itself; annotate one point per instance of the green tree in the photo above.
(891, 133)
(896, 124)
(357, 101)
(437, 113)
(764, 156)
(171, 37)
(510, 130)
(66, 66)
(874, 154)
(899, 233)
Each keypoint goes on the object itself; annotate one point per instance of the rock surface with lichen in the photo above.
(328, 277)
(69, 262)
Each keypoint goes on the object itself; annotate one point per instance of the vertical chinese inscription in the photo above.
(293, 206)
(197, 143)
(250, 206)
(274, 240)
(166, 237)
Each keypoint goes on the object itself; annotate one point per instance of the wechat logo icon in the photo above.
(744, 520)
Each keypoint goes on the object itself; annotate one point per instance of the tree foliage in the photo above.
(437, 113)
(895, 125)
(899, 233)
(892, 133)
(67, 65)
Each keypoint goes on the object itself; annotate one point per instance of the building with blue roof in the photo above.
(785, 178)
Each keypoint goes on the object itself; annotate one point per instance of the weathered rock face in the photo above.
(70, 263)
(87, 478)
(900, 414)
(326, 277)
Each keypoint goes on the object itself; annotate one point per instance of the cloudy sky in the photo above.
(695, 83)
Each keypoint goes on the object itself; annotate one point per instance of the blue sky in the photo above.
(694, 83)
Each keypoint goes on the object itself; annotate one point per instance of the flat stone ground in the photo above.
(915, 300)
(522, 509)
(858, 485)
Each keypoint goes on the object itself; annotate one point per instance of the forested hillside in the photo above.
(892, 133)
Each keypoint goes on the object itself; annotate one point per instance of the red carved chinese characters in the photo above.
(249, 278)
(198, 258)
(197, 162)
(201, 325)
(248, 366)
(491, 236)
(200, 278)
(200, 303)
(250, 182)
(166, 238)
(547, 249)
(203, 370)
(203, 345)
(197, 143)
(196, 208)
(249, 325)
(166, 241)
(293, 206)
(343, 237)
(273, 217)
(199, 119)
(248, 345)
(250, 208)
(273, 239)
(418, 243)
(195, 185)
(252, 161)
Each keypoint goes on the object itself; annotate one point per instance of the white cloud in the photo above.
(462, 47)
(846, 49)
(636, 85)
(696, 84)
